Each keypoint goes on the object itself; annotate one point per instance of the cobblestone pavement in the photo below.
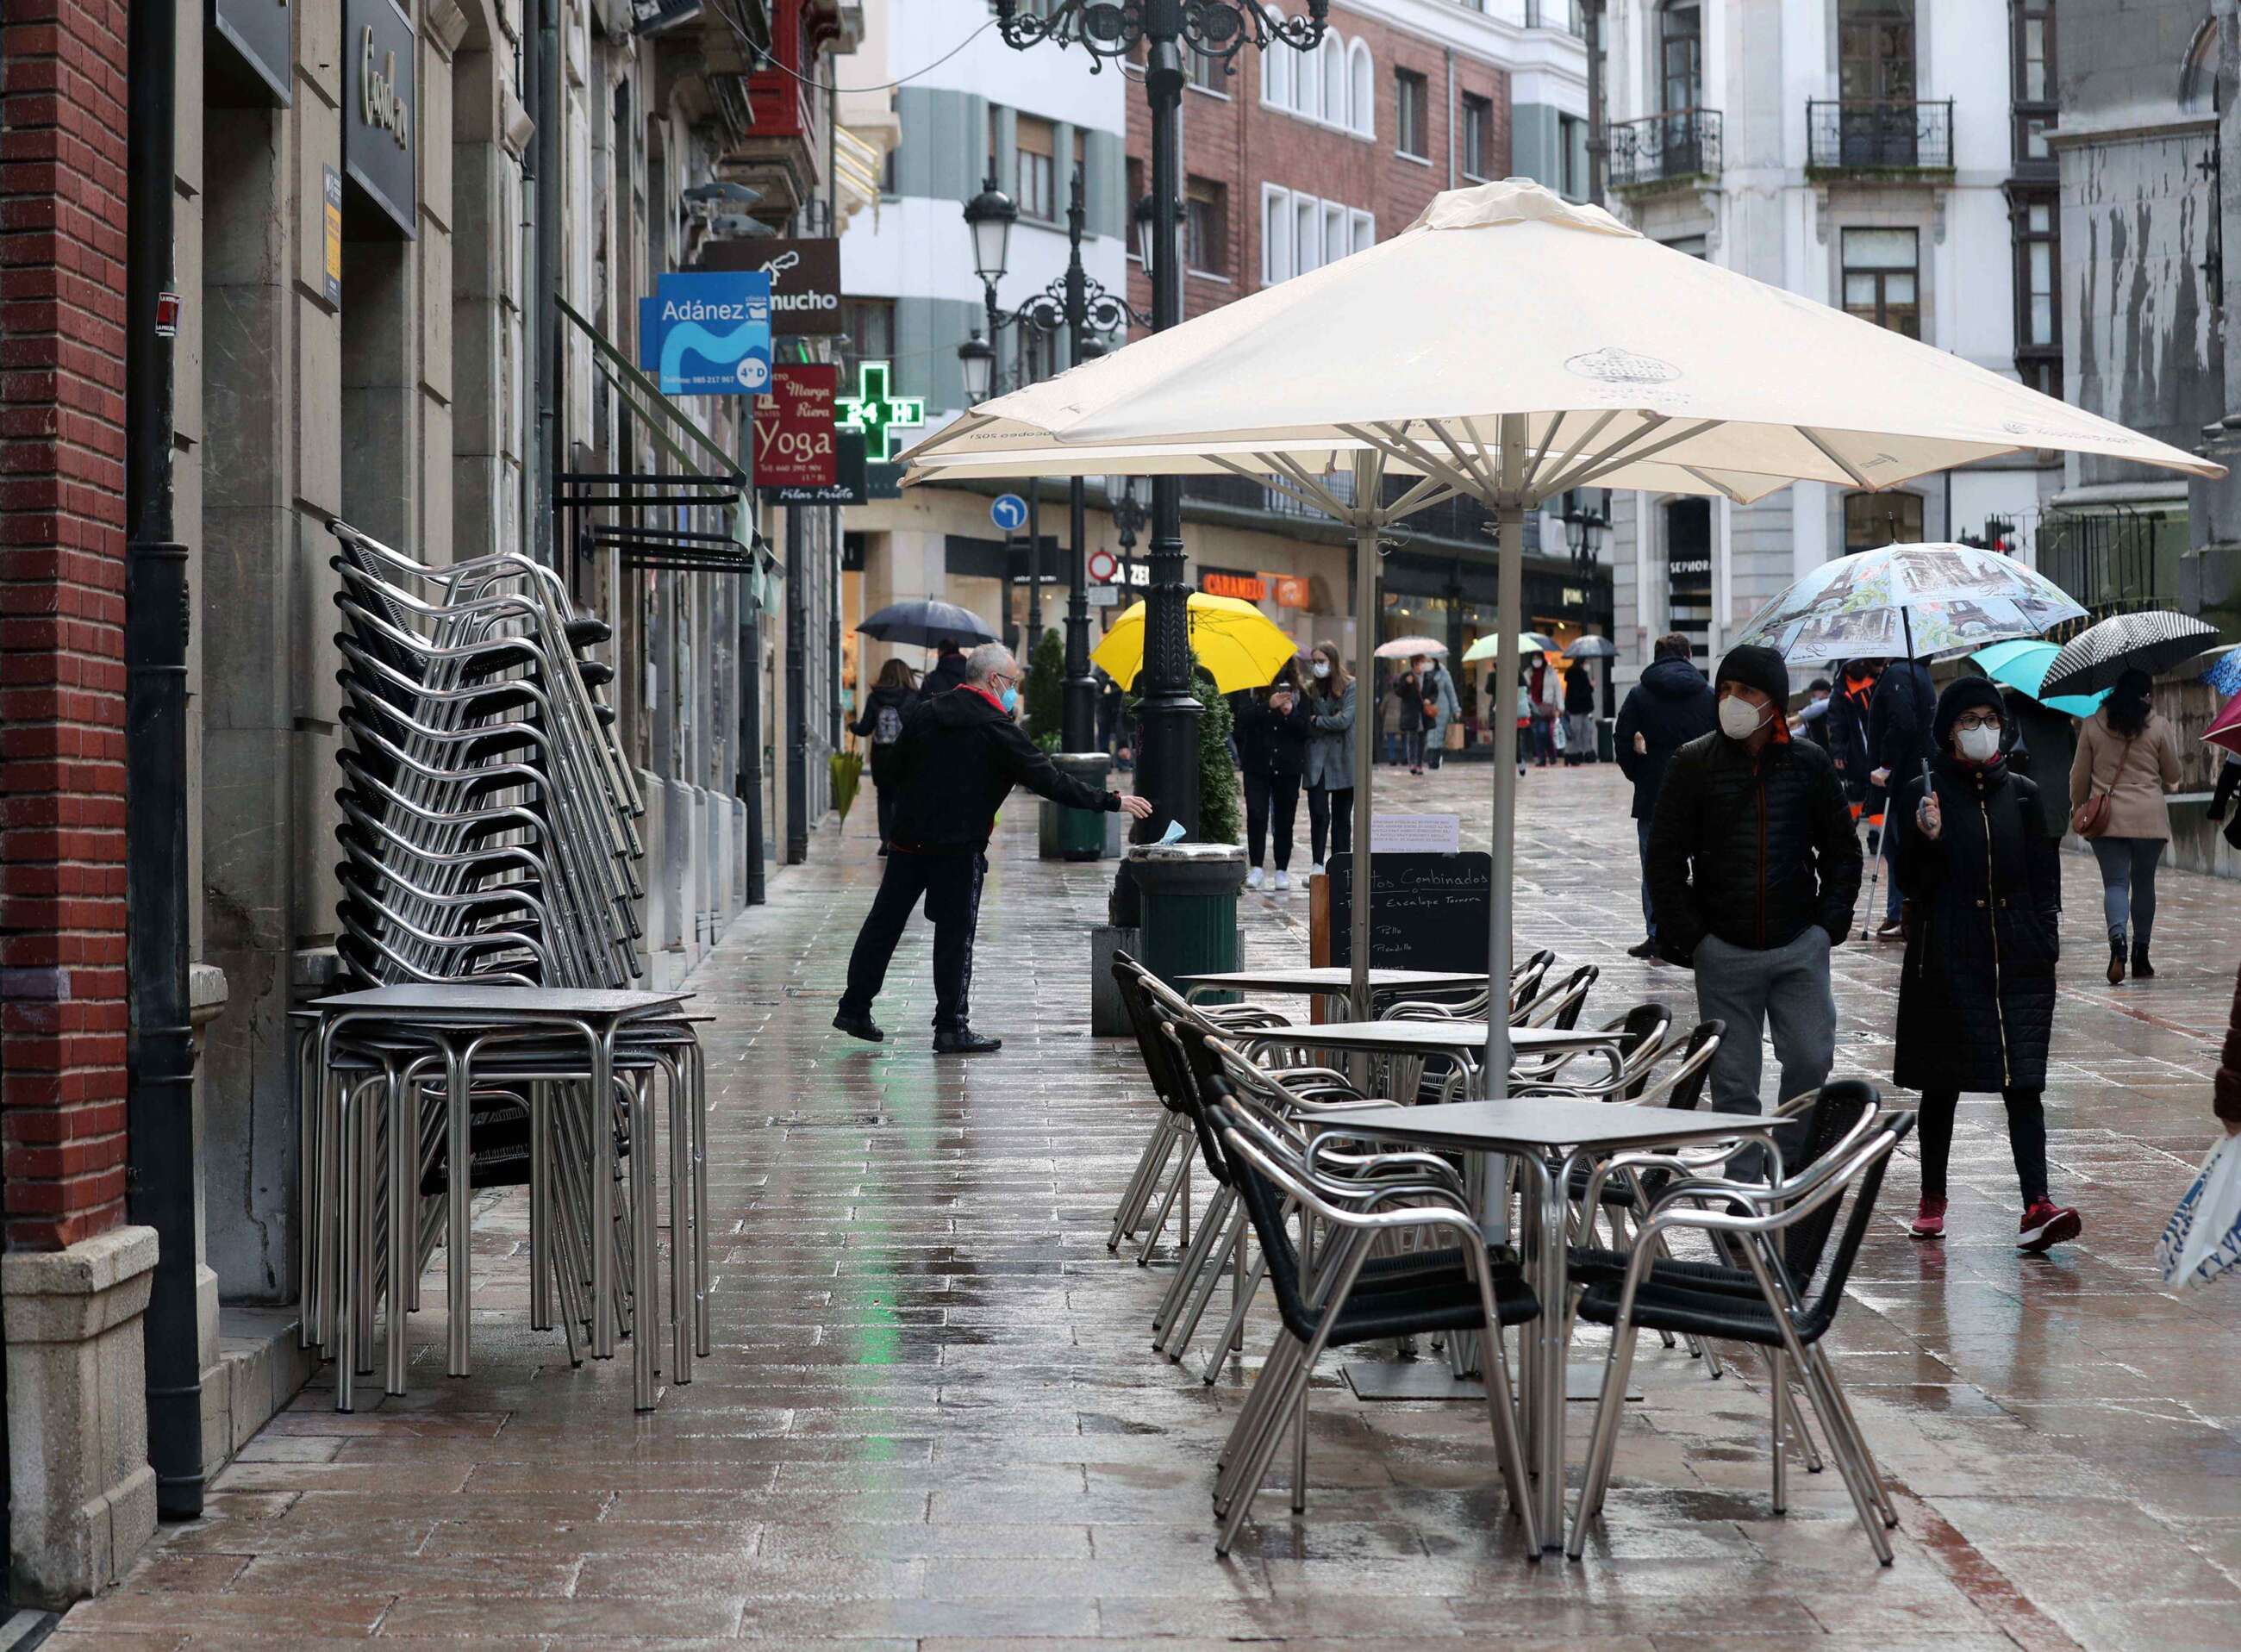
(933, 1420)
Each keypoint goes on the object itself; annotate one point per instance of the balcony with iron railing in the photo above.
(1677, 146)
(1880, 138)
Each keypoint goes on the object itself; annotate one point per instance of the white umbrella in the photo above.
(1910, 602)
(1410, 647)
(1508, 346)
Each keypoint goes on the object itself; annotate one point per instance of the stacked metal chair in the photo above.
(488, 837)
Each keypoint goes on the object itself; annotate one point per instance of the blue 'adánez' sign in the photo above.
(708, 333)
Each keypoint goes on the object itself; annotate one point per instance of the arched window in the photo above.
(1307, 83)
(1276, 70)
(1364, 100)
(2197, 84)
(1334, 79)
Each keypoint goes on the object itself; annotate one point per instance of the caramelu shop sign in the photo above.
(379, 104)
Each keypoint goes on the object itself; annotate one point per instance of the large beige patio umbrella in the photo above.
(1508, 346)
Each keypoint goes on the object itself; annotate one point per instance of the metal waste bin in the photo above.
(1188, 895)
(1081, 832)
(1607, 740)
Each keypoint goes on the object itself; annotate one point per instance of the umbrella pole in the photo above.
(1508, 698)
(1368, 477)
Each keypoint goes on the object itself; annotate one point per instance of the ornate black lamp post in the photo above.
(1584, 534)
(1167, 767)
(1079, 306)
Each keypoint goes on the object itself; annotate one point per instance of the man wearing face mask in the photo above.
(1754, 869)
(960, 756)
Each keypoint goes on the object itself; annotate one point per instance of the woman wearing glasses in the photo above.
(1976, 1003)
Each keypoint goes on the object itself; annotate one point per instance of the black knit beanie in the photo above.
(1759, 668)
(1960, 695)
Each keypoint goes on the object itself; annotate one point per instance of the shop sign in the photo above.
(706, 334)
(1225, 582)
(652, 16)
(805, 279)
(1288, 591)
(1575, 597)
(793, 427)
(880, 414)
(262, 32)
(378, 101)
(334, 237)
(848, 487)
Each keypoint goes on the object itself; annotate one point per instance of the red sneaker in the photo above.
(2047, 1224)
(1929, 1219)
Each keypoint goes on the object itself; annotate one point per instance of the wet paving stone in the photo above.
(933, 1420)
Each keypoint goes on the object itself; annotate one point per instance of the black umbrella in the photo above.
(2098, 655)
(1592, 648)
(928, 624)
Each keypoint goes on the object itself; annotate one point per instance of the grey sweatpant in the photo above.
(1785, 988)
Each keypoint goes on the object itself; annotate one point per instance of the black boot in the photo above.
(963, 1041)
(2116, 960)
(2142, 969)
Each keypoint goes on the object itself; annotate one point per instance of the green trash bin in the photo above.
(1081, 832)
(1188, 896)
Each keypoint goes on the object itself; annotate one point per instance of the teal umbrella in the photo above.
(2022, 664)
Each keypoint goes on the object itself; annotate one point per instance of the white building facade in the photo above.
(1888, 158)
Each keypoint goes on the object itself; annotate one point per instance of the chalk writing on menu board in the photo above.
(1426, 911)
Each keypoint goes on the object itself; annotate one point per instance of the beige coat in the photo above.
(2136, 779)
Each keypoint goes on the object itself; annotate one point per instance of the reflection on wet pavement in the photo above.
(934, 1418)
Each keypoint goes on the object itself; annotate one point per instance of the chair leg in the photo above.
(1179, 1338)
(1603, 1445)
(1159, 1225)
(1196, 1256)
(1863, 1504)
(1133, 1197)
(1777, 1390)
(1857, 1441)
(1232, 1334)
(1508, 1438)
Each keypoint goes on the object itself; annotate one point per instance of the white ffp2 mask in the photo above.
(1739, 718)
(1980, 745)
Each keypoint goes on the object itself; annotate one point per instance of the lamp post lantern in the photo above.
(1081, 308)
(1168, 764)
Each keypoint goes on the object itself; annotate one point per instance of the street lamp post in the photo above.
(1168, 764)
(1081, 307)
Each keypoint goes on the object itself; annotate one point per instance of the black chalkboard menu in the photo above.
(1426, 911)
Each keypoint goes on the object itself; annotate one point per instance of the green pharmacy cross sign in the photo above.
(879, 414)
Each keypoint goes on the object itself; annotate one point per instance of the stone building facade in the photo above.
(410, 239)
(1888, 157)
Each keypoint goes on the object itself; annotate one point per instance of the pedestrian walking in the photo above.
(948, 669)
(1579, 716)
(1329, 771)
(1754, 869)
(1388, 725)
(1408, 704)
(960, 756)
(1272, 731)
(1848, 731)
(2042, 744)
(886, 709)
(2127, 759)
(1441, 707)
(1542, 701)
(1975, 999)
(1671, 706)
(1899, 716)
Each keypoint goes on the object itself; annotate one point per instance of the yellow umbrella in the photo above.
(1240, 647)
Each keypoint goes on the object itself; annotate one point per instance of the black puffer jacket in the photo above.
(1268, 744)
(1899, 717)
(957, 760)
(1671, 706)
(1753, 850)
(1976, 1004)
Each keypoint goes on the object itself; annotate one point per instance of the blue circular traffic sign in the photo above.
(1008, 512)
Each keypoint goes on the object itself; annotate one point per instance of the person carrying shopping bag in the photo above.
(2127, 759)
(1975, 999)
(1329, 769)
(1441, 706)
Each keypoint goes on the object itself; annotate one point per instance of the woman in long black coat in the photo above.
(1976, 1003)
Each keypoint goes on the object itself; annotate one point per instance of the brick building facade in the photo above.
(62, 617)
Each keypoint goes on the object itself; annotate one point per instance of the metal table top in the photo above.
(1412, 1038)
(1548, 1126)
(1334, 979)
(428, 1000)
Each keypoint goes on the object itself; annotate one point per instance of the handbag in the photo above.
(2089, 819)
(1454, 737)
(2203, 1239)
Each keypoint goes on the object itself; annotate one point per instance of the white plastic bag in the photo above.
(2203, 1238)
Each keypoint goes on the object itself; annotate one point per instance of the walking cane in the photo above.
(1875, 852)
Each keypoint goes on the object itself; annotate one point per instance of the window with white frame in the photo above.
(1412, 103)
(1336, 80)
(1207, 74)
(1363, 74)
(1478, 135)
(1276, 69)
(1308, 85)
(1034, 145)
(1301, 232)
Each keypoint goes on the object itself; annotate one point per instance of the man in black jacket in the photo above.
(1753, 868)
(959, 757)
(1899, 743)
(948, 670)
(1671, 706)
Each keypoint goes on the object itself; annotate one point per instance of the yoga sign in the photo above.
(708, 333)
